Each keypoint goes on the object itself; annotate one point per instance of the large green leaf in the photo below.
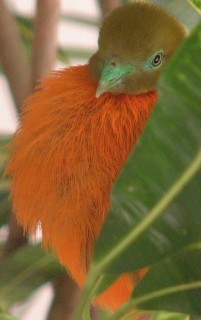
(180, 269)
(23, 271)
(169, 144)
(156, 207)
(156, 173)
(179, 289)
(196, 4)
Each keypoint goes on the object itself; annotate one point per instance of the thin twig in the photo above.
(16, 238)
(18, 73)
(45, 32)
(12, 57)
(66, 295)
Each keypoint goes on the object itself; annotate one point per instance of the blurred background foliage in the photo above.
(24, 266)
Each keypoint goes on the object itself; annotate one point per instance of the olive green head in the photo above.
(136, 41)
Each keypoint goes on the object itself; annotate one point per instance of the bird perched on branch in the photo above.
(77, 131)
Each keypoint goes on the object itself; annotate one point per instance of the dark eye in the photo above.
(154, 61)
(157, 59)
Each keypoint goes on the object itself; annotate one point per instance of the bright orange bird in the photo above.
(78, 129)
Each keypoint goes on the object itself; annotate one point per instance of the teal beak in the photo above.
(113, 74)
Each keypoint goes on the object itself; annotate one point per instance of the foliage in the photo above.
(155, 217)
(196, 4)
(24, 271)
(4, 316)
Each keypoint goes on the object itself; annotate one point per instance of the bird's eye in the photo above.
(157, 60)
(154, 61)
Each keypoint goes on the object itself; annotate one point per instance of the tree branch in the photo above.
(16, 238)
(66, 296)
(12, 57)
(65, 299)
(44, 44)
(18, 73)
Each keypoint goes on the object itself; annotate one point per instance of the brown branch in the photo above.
(66, 296)
(12, 58)
(65, 299)
(16, 238)
(18, 73)
(95, 313)
(108, 5)
(45, 31)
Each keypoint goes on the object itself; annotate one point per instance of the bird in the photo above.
(77, 131)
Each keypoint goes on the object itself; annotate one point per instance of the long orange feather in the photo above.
(66, 156)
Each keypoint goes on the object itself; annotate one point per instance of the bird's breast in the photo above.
(66, 156)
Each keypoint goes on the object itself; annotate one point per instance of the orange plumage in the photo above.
(77, 131)
(62, 169)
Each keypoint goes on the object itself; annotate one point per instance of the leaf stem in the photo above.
(153, 295)
(90, 287)
(196, 7)
(165, 201)
(86, 313)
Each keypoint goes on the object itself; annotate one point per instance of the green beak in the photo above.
(113, 74)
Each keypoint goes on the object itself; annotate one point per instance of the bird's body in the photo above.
(71, 195)
(67, 154)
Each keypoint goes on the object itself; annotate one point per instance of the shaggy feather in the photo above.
(66, 156)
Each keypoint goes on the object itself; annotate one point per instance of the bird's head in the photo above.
(136, 41)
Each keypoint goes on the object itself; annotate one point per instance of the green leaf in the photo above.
(5, 207)
(4, 141)
(170, 316)
(196, 4)
(156, 207)
(4, 316)
(23, 271)
(182, 268)
(168, 146)
(25, 26)
(179, 290)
